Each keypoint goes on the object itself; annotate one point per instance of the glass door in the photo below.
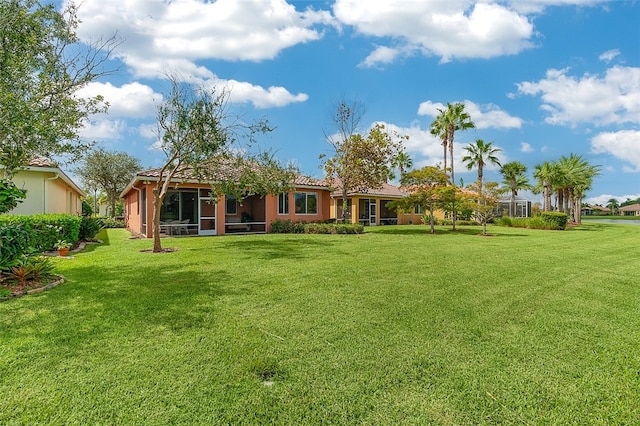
(206, 214)
(372, 212)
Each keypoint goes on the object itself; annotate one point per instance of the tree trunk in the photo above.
(112, 197)
(432, 220)
(512, 204)
(157, 205)
(344, 204)
(444, 146)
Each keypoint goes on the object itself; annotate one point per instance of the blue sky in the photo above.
(540, 78)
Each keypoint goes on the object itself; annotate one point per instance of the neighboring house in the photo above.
(595, 210)
(630, 210)
(188, 208)
(370, 207)
(522, 207)
(49, 189)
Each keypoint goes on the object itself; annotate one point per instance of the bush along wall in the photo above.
(290, 227)
(44, 230)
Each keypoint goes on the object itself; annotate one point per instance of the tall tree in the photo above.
(403, 162)
(200, 137)
(450, 120)
(575, 178)
(478, 155)
(42, 67)
(359, 163)
(545, 174)
(514, 178)
(438, 128)
(613, 204)
(424, 187)
(108, 171)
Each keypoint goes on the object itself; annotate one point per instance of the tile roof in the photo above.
(41, 162)
(227, 170)
(386, 190)
(630, 208)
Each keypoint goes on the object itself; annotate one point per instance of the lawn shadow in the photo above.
(293, 247)
(94, 301)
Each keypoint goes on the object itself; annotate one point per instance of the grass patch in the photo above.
(394, 326)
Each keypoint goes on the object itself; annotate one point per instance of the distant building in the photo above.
(595, 210)
(630, 210)
(49, 189)
(522, 207)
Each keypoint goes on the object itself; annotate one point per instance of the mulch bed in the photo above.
(30, 287)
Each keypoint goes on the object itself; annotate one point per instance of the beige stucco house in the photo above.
(49, 189)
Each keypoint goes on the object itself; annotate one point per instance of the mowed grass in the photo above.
(391, 327)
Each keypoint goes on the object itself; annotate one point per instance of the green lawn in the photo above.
(391, 327)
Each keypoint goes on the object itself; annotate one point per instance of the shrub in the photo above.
(110, 222)
(14, 243)
(290, 227)
(287, 227)
(31, 268)
(89, 228)
(557, 219)
(45, 229)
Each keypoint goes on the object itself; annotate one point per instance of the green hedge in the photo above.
(291, 227)
(545, 220)
(14, 243)
(45, 230)
(333, 228)
(558, 219)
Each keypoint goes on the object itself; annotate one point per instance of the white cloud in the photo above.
(148, 131)
(603, 199)
(172, 37)
(380, 56)
(484, 116)
(525, 147)
(427, 150)
(538, 6)
(609, 55)
(449, 30)
(129, 100)
(261, 97)
(624, 145)
(103, 129)
(610, 99)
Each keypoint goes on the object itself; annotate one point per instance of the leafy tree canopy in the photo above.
(42, 66)
(108, 171)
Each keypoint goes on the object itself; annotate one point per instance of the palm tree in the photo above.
(438, 128)
(613, 205)
(478, 155)
(546, 175)
(452, 119)
(575, 178)
(514, 178)
(403, 162)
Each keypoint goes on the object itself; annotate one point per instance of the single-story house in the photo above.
(630, 210)
(595, 210)
(369, 207)
(49, 189)
(189, 209)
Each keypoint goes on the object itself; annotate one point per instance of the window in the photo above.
(419, 209)
(306, 203)
(283, 203)
(232, 204)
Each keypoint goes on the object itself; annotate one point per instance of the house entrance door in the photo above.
(206, 215)
(372, 212)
